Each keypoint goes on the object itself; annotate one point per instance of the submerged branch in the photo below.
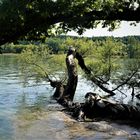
(100, 85)
(126, 81)
(122, 92)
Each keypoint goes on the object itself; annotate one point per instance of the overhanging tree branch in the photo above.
(73, 17)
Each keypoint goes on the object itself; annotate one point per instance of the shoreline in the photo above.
(9, 54)
(64, 127)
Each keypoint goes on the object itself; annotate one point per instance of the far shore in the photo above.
(9, 54)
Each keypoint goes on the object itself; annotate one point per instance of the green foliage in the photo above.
(133, 47)
(111, 62)
(36, 19)
(104, 60)
(129, 72)
(107, 58)
(55, 44)
(57, 67)
(11, 48)
(82, 45)
(131, 65)
(37, 64)
(33, 60)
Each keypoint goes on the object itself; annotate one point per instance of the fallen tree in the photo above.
(95, 105)
(67, 92)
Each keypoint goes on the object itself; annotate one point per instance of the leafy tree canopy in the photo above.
(36, 19)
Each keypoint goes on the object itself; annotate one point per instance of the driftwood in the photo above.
(96, 106)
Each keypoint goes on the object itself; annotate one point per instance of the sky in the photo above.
(125, 29)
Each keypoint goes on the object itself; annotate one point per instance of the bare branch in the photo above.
(126, 81)
(88, 71)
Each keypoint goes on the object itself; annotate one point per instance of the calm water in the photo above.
(29, 113)
(16, 100)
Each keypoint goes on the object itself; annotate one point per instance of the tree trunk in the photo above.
(95, 105)
(72, 75)
(65, 93)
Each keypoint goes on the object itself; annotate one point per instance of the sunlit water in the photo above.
(28, 113)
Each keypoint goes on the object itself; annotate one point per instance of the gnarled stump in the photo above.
(96, 106)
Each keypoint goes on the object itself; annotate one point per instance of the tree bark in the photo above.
(65, 93)
(72, 75)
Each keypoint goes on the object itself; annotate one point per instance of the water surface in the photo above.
(29, 113)
(19, 102)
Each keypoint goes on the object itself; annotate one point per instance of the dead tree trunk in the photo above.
(72, 75)
(67, 92)
(94, 106)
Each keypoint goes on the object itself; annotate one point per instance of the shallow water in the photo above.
(17, 100)
(29, 113)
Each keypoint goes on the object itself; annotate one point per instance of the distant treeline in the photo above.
(59, 44)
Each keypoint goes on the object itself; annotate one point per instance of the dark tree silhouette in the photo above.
(34, 19)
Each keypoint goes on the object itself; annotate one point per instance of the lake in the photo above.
(30, 113)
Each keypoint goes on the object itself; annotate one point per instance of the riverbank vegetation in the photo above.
(58, 44)
(109, 64)
(109, 59)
